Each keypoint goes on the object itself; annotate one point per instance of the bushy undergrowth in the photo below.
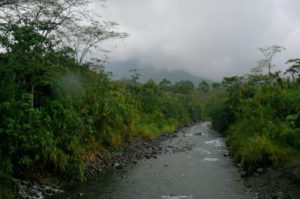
(54, 110)
(261, 121)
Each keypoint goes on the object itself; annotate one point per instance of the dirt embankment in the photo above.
(280, 183)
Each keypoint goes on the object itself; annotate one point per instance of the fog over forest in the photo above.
(210, 39)
(150, 99)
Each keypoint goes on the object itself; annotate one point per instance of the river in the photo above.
(193, 166)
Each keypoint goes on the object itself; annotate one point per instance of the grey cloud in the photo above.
(210, 38)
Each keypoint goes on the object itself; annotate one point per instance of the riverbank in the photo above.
(131, 152)
(189, 165)
(198, 140)
(115, 159)
(280, 183)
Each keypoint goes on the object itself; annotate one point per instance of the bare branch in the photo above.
(68, 21)
(268, 53)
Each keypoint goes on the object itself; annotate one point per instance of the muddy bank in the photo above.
(280, 183)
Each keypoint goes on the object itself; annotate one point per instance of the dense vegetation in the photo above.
(259, 114)
(55, 108)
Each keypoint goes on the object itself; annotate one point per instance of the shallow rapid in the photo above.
(194, 165)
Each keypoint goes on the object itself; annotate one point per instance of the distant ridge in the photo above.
(120, 70)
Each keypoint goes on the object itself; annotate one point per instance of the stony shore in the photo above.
(266, 183)
(275, 183)
(130, 153)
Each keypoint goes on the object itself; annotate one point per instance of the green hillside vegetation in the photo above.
(259, 115)
(54, 109)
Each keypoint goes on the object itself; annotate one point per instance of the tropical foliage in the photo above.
(55, 108)
(259, 114)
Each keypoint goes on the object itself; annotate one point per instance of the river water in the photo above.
(193, 166)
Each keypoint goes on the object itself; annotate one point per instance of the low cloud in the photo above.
(209, 38)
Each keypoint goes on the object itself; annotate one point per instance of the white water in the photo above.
(193, 168)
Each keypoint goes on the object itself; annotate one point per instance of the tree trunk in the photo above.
(32, 93)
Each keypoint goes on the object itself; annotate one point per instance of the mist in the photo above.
(209, 39)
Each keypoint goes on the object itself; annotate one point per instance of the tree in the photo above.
(203, 86)
(135, 75)
(82, 38)
(69, 22)
(216, 85)
(10, 2)
(229, 82)
(165, 84)
(268, 53)
(46, 15)
(184, 87)
(5, 2)
(294, 68)
(26, 55)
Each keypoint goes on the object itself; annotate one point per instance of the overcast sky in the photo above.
(209, 38)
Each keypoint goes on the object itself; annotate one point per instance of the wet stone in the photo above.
(226, 154)
(260, 170)
(80, 194)
(243, 174)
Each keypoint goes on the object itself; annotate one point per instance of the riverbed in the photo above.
(194, 164)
